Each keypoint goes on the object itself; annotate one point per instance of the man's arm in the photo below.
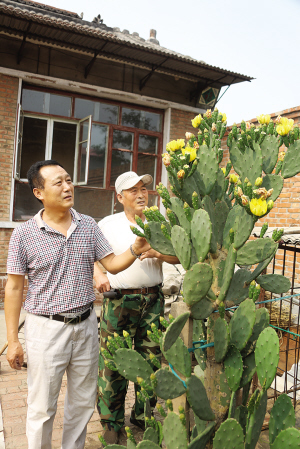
(114, 264)
(12, 306)
(152, 253)
(101, 280)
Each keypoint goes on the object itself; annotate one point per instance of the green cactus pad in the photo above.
(261, 266)
(267, 356)
(201, 232)
(269, 150)
(130, 444)
(228, 272)
(151, 435)
(221, 214)
(291, 163)
(146, 444)
(177, 208)
(255, 251)
(168, 385)
(179, 356)
(174, 432)
(233, 364)
(282, 417)
(240, 415)
(242, 323)
(275, 283)
(247, 164)
(131, 365)
(273, 182)
(202, 309)
(287, 438)
(229, 435)
(197, 282)
(197, 397)
(221, 337)
(219, 187)
(173, 331)
(209, 207)
(231, 223)
(249, 370)
(243, 227)
(262, 319)
(207, 168)
(255, 422)
(185, 192)
(182, 246)
(201, 440)
(115, 446)
(158, 241)
(238, 289)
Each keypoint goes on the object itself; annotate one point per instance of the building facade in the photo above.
(99, 100)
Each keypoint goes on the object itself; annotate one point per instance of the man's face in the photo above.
(135, 199)
(58, 191)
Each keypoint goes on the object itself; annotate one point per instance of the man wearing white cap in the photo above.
(138, 301)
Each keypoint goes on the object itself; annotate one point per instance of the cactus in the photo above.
(211, 217)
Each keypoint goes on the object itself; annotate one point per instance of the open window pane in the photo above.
(34, 143)
(63, 145)
(94, 202)
(98, 152)
(123, 140)
(26, 204)
(82, 161)
(147, 165)
(82, 152)
(121, 162)
(148, 144)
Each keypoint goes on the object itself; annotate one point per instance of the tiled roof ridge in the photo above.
(43, 6)
(99, 30)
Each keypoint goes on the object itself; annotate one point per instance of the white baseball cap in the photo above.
(130, 179)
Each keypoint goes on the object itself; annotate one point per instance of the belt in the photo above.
(139, 291)
(73, 320)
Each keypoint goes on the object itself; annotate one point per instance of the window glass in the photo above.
(26, 204)
(34, 143)
(108, 113)
(148, 144)
(136, 118)
(101, 112)
(94, 202)
(63, 145)
(98, 152)
(83, 108)
(147, 165)
(121, 162)
(82, 161)
(123, 140)
(59, 105)
(46, 103)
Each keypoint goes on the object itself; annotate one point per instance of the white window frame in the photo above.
(76, 182)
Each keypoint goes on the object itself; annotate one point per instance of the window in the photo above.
(95, 140)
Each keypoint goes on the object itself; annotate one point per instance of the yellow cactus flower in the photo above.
(224, 117)
(180, 174)
(214, 127)
(208, 113)
(258, 207)
(281, 156)
(264, 119)
(197, 120)
(270, 205)
(223, 170)
(166, 160)
(285, 126)
(248, 125)
(258, 182)
(233, 178)
(245, 200)
(191, 151)
(175, 145)
(196, 145)
(188, 136)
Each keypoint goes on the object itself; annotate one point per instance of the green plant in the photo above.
(209, 221)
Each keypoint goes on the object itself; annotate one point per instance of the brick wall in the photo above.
(181, 123)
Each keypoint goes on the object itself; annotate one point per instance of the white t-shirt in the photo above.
(145, 273)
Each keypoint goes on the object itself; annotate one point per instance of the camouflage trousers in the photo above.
(133, 313)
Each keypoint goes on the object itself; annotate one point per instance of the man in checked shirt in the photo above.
(57, 250)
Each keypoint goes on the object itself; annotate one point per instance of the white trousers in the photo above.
(52, 348)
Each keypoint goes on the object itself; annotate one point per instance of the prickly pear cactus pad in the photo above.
(212, 207)
(282, 417)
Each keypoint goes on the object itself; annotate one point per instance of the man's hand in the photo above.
(140, 245)
(15, 355)
(101, 280)
(150, 254)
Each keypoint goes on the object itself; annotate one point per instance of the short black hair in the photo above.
(35, 179)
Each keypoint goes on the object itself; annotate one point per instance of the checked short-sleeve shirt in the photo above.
(60, 269)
